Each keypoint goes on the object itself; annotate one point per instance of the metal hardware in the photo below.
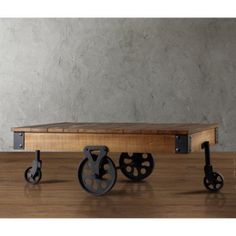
(19, 140)
(208, 168)
(206, 147)
(94, 184)
(97, 172)
(37, 163)
(213, 181)
(137, 166)
(182, 143)
(95, 160)
(33, 174)
(216, 135)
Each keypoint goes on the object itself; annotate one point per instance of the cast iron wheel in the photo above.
(214, 184)
(97, 184)
(137, 166)
(33, 179)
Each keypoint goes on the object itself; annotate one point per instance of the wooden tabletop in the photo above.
(113, 128)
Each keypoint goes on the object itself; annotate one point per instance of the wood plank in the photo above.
(129, 128)
(200, 137)
(37, 128)
(116, 143)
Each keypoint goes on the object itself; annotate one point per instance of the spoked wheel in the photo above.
(214, 184)
(33, 179)
(97, 184)
(137, 166)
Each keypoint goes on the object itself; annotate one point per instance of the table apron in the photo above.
(143, 143)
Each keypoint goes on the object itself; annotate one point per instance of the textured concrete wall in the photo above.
(153, 70)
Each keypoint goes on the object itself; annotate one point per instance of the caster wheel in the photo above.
(97, 184)
(33, 179)
(214, 184)
(136, 167)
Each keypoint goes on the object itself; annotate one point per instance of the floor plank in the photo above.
(173, 190)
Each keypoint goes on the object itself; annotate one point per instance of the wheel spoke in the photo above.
(209, 185)
(219, 181)
(149, 158)
(129, 169)
(128, 158)
(131, 164)
(33, 179)
(214, 186)
(215, 183)
(99, 184)
(88, 177)
(147, 168)
(110, 171)
(139, 168)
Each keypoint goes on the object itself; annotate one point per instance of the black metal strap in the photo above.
(102, 152)
(208, 168)
(37, 163)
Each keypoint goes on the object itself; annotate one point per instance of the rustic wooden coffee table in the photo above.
(137, 142)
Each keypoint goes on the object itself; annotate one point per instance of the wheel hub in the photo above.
(136, 166)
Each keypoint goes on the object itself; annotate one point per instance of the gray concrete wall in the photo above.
(118, 70)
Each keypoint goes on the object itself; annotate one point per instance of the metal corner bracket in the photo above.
(216, 135)
(183, 143)
(19, 140)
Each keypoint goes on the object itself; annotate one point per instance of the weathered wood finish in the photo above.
(118, 137)
(113, 128)
(198, 138)
(72, 142)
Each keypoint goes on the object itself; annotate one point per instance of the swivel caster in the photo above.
(214, 183)
(33, 174)
(33, 178)
(137, 166)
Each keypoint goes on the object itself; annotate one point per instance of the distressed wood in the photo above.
(137, 128)
(72, 142)
(118, 137)
(198, 138)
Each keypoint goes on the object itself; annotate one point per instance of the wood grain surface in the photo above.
(174, 189)
(118, 137)
(130, 128)
(198, 138)
(73, 142)
(143, 143)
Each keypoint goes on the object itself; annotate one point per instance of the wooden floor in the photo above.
(175, 189)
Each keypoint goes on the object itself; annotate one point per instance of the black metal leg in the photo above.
(213, 181)
(33, 174)
(36, 164)
(208, 169)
